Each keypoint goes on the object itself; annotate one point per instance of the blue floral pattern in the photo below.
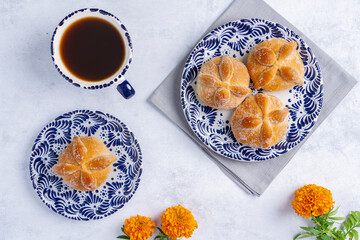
(112, 195)
(236, 39)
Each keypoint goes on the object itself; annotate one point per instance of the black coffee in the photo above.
(92, 49)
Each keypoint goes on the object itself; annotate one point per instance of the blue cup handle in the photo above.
(125, 89)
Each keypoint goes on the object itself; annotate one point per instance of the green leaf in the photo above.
(161, 231)
(162, 235)
(346, 225)
(333, 212)
(355, 234)
(325, 237)
(312, 230)
(122, 229)
(354, 216)
(296, 236)
(352, 219)
(328, 225)
(340, 233)
(303, 235)
(123, 237)
(337, 218)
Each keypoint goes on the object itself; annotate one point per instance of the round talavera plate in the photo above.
(212, 126)
(114, 193)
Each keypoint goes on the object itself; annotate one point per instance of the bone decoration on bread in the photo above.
(223, 82)
(260, 121)
(275, 65)
(85, 164)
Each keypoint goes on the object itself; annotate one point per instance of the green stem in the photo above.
(331, 234)
(315, 220)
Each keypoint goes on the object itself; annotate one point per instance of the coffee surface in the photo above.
(92, 49)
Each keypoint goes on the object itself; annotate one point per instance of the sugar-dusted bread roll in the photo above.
(275, 65)
(85, 164)
(223, 82)
(260, 121)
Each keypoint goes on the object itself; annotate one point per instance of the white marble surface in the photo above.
(175, 172)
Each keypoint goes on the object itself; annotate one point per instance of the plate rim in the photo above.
(182, 95)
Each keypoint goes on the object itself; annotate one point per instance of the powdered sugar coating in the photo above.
(81, 153)
(265, 132)
(223, 82)
(275, 65)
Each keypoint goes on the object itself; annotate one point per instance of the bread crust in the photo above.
(260, 121)
(223, 82)
(85, 164)
(275, 65)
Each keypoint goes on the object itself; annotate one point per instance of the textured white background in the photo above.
(175, 171)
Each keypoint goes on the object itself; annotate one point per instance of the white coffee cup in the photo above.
(123, 86)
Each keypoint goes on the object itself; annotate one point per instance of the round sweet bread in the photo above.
(275, 65)
(223, 82)
(260, 121)
(85, 164)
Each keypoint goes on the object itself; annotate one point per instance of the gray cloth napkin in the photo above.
(254, 177)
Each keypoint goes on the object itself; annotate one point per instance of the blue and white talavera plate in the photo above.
(212, 126)
(114, 193)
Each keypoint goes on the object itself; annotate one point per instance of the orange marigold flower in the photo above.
(312, 200)
(177, 222)
(139, 227)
